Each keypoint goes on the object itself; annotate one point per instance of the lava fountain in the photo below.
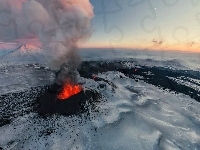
(69, 90)
(58, 25)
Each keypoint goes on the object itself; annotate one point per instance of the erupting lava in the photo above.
(68, 91)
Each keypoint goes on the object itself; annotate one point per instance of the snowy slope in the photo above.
(170, 59)
(132, 115)
(16, 78)
(174, 59)
(24, 54)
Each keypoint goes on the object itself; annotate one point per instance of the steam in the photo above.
(62, 24)
(68, 70)
(57, 24)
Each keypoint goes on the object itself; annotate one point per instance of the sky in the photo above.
(146, 24)
(128, 24)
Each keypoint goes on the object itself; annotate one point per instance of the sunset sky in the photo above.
(132, 24)
(146, 24)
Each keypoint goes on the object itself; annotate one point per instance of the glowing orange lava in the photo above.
(69, 90)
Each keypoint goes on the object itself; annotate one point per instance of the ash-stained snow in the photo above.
(133, 114)
(16, 78)
(192, 83)
(168, 59)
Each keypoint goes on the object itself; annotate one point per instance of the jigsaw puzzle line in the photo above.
(8, 10)
(11, 22)
(107, 30)
(153, 17)
(170, 4)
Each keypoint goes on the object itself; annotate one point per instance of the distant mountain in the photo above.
(24, 53)
(28, 48)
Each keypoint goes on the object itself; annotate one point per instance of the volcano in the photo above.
(69, 90)
(153, 103)
(67, 100)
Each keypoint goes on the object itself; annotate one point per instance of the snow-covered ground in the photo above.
(15, 78)
(133, 115)
(174, 59)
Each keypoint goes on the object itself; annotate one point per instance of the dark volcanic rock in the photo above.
(43, 100)
(50, 104)
(13, 105)
(158, 76)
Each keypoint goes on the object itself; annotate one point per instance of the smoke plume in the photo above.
(58, 25)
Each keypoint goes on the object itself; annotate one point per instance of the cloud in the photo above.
(191, 44)
(57, 24)
(157, 42)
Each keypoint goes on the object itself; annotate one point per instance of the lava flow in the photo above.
(68, 91)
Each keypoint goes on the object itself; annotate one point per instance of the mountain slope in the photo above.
(24, 53)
